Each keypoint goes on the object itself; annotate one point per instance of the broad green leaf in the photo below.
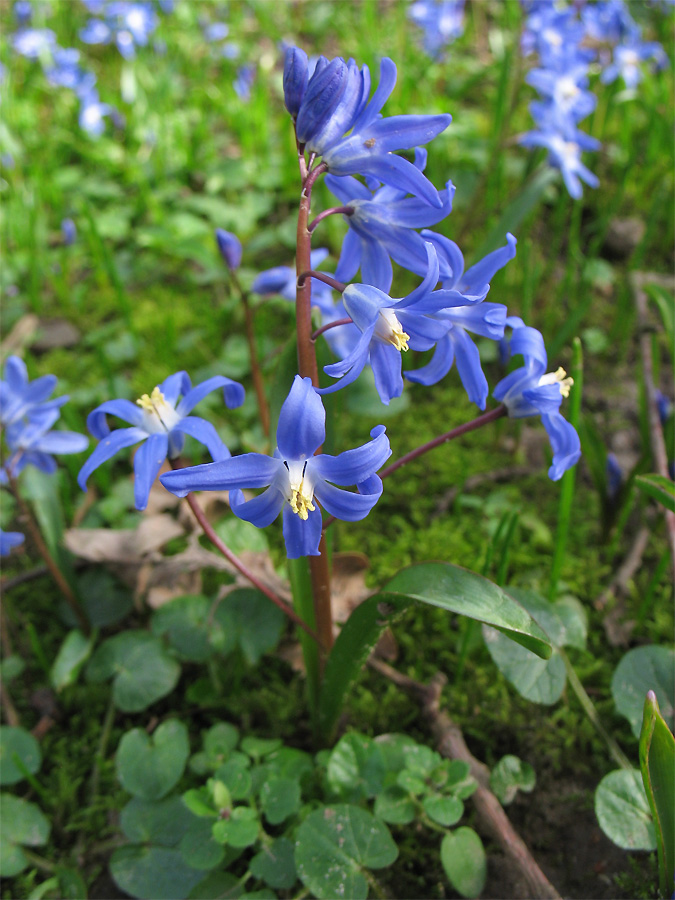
(200, 803)
(275, 864)
(240, 830)
(143, 670)
(148, 766)
(73, 653)
(623, 811)
(198, 848)
(395, 806)
(392, 747)
(657, 764)
(355, 768)
(279, 798)
(236, 775)
(163, 822)
(217, 886)
(257, 747)
(444, 810)
(509, 776)
(643, 669)
(333, 846)
(220, 740)
(658, 488)
(463, 859)
(248, 619)
(241, 536)
(185, 620)
(22, 823)
(151, 872)
(20, 743)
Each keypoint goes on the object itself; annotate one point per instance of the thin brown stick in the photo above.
(256, 372)
(200, 516)
(319, 331)
(658, 444)
(333, 211)
(11, 715)
(451, 744)
(43, 550)
(321, 276)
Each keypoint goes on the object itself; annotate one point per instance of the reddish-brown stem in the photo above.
(320, 331)
(43, 550)
(478, 422)
(256, 372)
(307, 367)
(321, 276)
(200, 516)
(333, 211)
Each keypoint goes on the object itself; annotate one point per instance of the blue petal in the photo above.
(273, 281)
(110, 444)
(175, 385)
(448, 250)
(233, 393)
(302, 421)
(354, 466)
(324, 93)
(351, 366)
(546, 398)
(206, 434)
(349, 157)
(565, 444)
(413, 213)
(350, 257)
(260, 511)
(347, 189)
(385, 361)
(402, 132)
(468, 366)
(302, 537)
(381, 95)
(250, 470)
(295, 78)
(529, 342)
(423, 330)
(42, 461)
(428, 284)
(147, 463)
(123, 409)
(16, 374)
(376, 267)
(62, 442)
(345, 505)
(438, 368)
(486, 319)
(483, 272)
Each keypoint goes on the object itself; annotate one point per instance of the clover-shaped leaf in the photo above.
(19, 753)
(149, 766)
(22, 824)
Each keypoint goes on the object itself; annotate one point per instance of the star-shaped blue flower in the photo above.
(295, 479)
(531, 391)
(162, 422)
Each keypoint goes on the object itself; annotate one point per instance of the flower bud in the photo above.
(230, 248)
(69, 232)
(295, 79)
(324, 93)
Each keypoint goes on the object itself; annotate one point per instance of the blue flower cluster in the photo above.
(388, 213)
(128, 25)
(442, 21)
(567, 42)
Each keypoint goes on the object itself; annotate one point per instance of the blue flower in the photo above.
(92, 113)
(441, 20)
(389, 326)
(243, 83)
(129, 24)
(294, 477)
(485, 319)
(230, 248)
(531, 391)
(614, 476)
(68, 231)
(283, 279)
(381, 227)
(296, 76)
(627, 58)
(21, 399)
(34, 43)
(161, 422)
(9, 539)
(31, 442)
(565, 155)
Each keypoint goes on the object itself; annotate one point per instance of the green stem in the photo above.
(615, 751)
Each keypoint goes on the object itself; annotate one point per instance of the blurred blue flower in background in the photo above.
(441, 20)
(9, 539)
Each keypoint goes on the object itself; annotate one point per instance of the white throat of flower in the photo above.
(560, 378)
(158, 415)
(389, 330)
(300, 492)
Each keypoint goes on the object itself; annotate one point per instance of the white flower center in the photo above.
(389, 330)
(567, 88)
(558, 377)
(158, 415)
(300, 490)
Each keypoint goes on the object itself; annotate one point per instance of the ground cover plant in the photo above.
(416, 259)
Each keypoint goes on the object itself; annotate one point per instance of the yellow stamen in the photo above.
(565, 383)
(150, 402)
(399, 338)
(301, 504)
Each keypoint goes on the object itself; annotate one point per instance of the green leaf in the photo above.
(217, 886)
(444, 810)
(247, 618)
(333, 846)
(220, 740)
(163, 822)
(657, 764)
(241, 536)
(509, 776)
(151, 872)
(198, 848)
(236, 776)
(73, 653)
(20, 743)
(199, 803)
(463, 858)
(355, 767)
(395, 806)
(643, 669)
(275, 864)
(240, 830)
(663, 299)
(185, 620)
(623, 811)
(149, 766)
(658, 488)
(143, 671)
(280, 798)
(257, 747)
(22, 823)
